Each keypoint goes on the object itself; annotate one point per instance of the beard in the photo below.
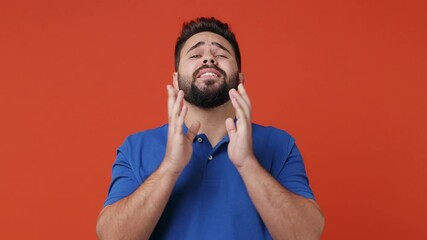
(210, 96)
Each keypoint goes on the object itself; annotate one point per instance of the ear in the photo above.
(241, 78)
(175, 80)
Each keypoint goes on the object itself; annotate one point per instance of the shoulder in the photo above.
(144, 150)
(154, 133)
(154, 136)
(270, 132)
(272, 139)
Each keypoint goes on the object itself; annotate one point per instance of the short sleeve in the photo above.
(123, 181)
(293, 175)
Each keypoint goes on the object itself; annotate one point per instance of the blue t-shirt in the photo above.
(209, 200)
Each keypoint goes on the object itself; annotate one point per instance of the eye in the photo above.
(221, 56)
(195, 56)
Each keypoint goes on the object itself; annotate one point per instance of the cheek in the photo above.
(187, 69)
(230, 70)
(228, 65)
(187, 75)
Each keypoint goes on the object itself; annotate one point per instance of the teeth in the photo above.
(208, 74)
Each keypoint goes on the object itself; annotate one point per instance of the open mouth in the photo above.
(208, 73)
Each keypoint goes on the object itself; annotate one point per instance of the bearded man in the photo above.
(210, 173)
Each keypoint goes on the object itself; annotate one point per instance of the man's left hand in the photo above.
(240, 150)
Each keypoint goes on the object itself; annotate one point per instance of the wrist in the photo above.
(250, 162)
(168, 167)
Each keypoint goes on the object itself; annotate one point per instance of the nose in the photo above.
(208, 60)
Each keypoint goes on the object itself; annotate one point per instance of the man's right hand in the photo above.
(135, 216)
(179, 145)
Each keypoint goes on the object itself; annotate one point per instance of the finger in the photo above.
(240, 115)
(233, 101)
(193, 130)
(244, 99)
(244, 94)
(236, 95)
(176, 109)
(171, 98)
(231, 127)
(177, 105)
(181, 118)
(240, 102)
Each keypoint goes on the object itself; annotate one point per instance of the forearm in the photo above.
(135, 216)
(286, 215)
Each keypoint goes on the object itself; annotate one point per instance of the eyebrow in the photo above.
(213, 43)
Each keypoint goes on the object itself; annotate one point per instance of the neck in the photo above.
(212, 121)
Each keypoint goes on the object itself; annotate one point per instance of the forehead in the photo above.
(208, 38)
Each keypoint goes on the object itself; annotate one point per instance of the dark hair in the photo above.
(206, 25)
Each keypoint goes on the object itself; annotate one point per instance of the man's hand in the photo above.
(240, 149)
(286, 215)
(179, 146)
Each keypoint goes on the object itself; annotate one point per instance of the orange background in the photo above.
(346, 78)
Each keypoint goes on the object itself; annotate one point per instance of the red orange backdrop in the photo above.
(346, 78)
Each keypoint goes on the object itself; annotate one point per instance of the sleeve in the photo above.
(292, 174)
(123, 182)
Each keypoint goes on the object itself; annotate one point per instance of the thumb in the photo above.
(193, 130)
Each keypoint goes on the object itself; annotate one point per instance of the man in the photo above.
(223, 177)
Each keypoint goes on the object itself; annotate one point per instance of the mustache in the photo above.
(210, 66)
